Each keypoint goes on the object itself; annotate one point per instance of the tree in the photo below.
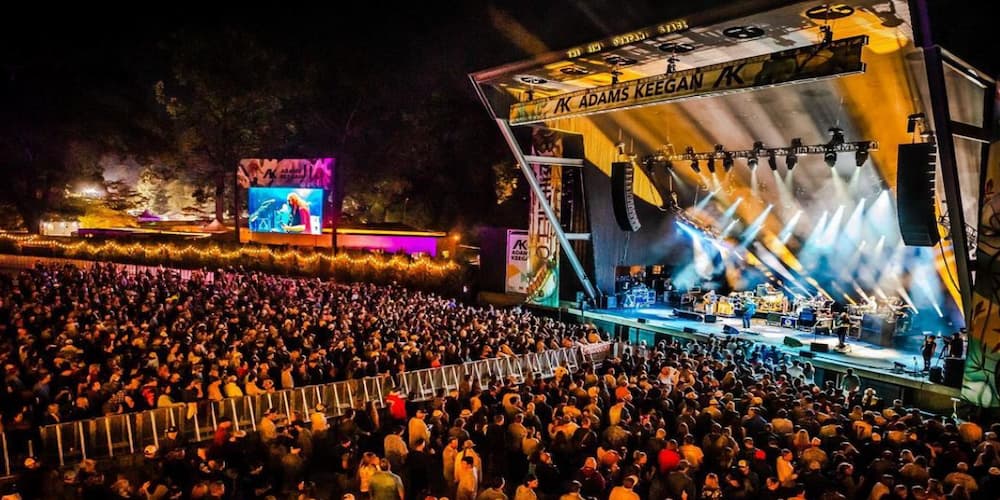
(58, 117)
(227, 97)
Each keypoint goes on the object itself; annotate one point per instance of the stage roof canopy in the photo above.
(747, 29)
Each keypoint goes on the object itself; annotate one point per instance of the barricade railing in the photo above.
(113, 435)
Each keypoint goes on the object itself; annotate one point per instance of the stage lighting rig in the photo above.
(834, 147)
(791, 159)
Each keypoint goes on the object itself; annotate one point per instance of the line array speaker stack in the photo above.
(623, 199)
(915, 209)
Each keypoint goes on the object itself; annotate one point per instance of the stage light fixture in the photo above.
(772, 160)
(672, 65)
(830, 150)
(727, 161)
(861, 155)
(711, 164)
(689, 151)
(615, 73)
(830, 157)
(754, 157)
(791, 159)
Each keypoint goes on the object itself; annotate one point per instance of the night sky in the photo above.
(387, 62)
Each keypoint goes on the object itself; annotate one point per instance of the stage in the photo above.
(868, 361)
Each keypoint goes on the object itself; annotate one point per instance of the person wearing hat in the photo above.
(418, 428)
(171, 441)
(468, 451)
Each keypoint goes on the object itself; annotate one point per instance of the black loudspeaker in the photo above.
(807, 317)
(806, 354)
(623, 199)
(793, 342)
(608, 302)
(688, 329)
(709, 318)
(729, 330)
(819, 347)
(953, 371)
(641, 320)
(937, 375)
(915, 194)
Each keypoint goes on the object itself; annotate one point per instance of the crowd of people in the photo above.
(81, 343)
(721, 419)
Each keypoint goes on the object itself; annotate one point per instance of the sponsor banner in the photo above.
(303, 173)
(517, 277)
(982, 368)
(836, 58)
(543, 244)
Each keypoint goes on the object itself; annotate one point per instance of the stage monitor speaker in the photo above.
(608, 302)
(953, 371)
(641, 320)
(729, 330)
(793, 342)
(819, 347)
(806, 354)
(623, 199)
(688, 329)
(937, 375)
(915, 172)
(709, 318)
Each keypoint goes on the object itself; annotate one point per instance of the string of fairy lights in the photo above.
(395, 262)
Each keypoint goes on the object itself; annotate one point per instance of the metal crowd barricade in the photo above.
(114, 435)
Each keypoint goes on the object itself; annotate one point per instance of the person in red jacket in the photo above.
(669, 457)
(397, 406)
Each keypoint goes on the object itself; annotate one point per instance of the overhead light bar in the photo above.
(860, 148)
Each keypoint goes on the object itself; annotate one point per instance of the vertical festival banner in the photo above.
(543, 245)
(982, 368)
(517, 277)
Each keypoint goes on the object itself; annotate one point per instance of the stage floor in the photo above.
(868, 359)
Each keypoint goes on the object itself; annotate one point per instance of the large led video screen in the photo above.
(286, 210)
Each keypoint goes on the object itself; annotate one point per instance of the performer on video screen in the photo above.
(301, 222)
